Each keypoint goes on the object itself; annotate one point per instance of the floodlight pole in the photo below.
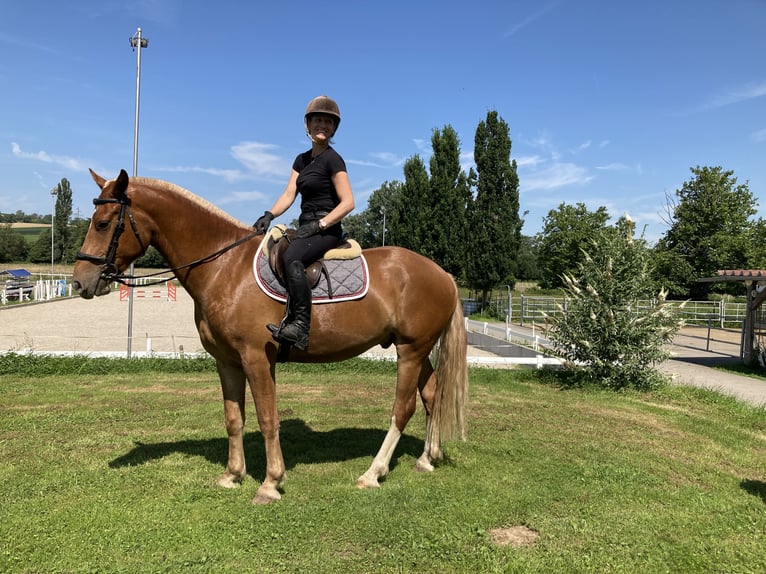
(54, 193)
(383, 212)
(137, 43)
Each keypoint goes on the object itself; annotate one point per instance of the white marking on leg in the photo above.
(423, 463)
(379, 466)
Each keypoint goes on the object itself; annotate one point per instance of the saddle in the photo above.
(279, 238)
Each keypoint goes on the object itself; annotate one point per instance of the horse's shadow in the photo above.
(755, 487)
(300, 445)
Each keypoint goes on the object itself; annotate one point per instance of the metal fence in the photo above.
(526, 309)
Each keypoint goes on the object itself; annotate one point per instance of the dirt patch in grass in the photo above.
(517, 536)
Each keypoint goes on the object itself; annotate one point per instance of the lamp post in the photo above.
(137, 42)
(383, 212)
(54, 193)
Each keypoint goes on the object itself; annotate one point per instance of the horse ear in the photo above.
(100, 181)
(120, 185)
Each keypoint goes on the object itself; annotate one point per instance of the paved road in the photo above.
(693, 357)
(694, 354)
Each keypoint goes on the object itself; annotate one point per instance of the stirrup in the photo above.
(275, 329)
(301, 341)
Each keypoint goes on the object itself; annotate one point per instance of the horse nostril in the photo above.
(76, 285)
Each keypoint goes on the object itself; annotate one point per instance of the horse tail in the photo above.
(448, 417)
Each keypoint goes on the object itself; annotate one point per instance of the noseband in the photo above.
(108, 268)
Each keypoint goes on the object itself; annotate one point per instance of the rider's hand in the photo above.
(262, 225)
(307, 230)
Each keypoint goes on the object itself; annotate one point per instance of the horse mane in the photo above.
(202, 203)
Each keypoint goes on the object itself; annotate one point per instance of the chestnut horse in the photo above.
(411, 303)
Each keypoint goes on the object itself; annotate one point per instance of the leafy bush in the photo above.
(605, 337)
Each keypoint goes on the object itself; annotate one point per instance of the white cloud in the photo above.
(227, 174)
(529, 161)
(242, 196)
(554, 176)
(43, 156)
(736, 95)
(618, 166)
(257, 158)
(759, 136)
(527, 21)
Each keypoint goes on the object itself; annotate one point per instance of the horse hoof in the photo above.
(229, 481)
(266, 495)
(423, 466)
(364, 483)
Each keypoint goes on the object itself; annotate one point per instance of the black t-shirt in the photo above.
(315, 180)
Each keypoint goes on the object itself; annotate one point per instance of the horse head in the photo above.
(105, 252)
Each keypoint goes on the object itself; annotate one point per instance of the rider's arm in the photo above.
(346, 196)
(288, 196)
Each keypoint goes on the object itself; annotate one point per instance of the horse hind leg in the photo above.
(432, 449)
(404, 406)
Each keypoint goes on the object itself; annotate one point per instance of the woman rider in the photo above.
(319, 175)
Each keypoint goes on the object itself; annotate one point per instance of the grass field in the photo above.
(30, 231)
(107, 466)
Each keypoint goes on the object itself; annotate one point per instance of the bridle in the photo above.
(109, 271)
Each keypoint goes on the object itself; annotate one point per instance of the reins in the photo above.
(123, 279)
(109, 270)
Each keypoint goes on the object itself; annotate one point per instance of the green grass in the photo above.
(742, 369)
(110, 466)
(31, 234)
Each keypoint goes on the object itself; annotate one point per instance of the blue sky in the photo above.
(608, 103)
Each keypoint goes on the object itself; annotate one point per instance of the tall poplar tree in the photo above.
(495, 233)
(450, 194)
(62, 235)
(411, 208)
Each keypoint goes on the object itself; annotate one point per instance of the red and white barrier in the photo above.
(167, 293)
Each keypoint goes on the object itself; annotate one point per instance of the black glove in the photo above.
(262, 225)
(307, 230)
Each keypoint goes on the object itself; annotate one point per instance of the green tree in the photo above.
(410, 214)
(450, 194)
(367, 227)
(62, 236)
(152, 258)
(78, 228)
(756, 253)
(495, 225)
(566, 231)
(13, 246)
(607, 338)
(528, 259)
(40, 250)
(710, 229)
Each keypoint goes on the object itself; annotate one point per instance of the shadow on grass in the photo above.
(300, 445)
(755, 487)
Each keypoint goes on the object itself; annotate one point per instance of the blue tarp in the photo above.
(17, 273)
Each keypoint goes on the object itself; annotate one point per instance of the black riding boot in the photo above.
(296, 330)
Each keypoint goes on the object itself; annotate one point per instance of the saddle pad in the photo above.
(350, 279)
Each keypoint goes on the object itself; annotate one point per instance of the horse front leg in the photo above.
(233, 387)
(264, 391)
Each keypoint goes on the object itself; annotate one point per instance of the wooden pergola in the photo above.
(755, 285)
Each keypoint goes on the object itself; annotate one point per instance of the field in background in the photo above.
(30, 231)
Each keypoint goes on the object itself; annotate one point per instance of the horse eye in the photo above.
(102, 225)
